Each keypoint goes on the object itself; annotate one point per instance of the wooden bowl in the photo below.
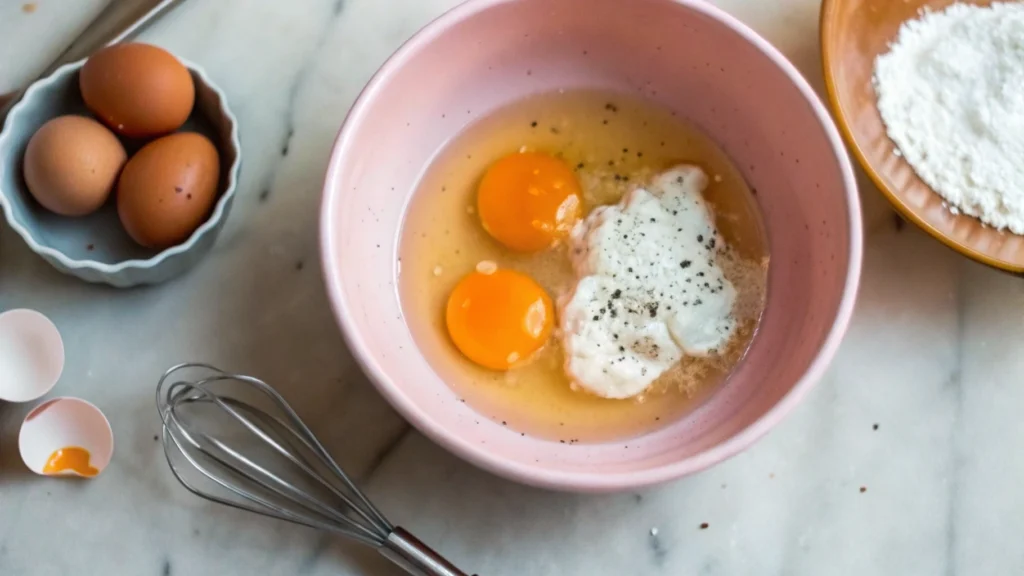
(853, 34)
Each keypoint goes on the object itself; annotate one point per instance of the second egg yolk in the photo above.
(499, 318)
(528, 201)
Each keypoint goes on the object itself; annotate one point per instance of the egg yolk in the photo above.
(500, 318)
(72, 458)
(529, 201)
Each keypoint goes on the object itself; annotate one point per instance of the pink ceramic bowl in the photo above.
(683, 54)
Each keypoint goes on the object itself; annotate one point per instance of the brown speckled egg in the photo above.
(138, 90)
(71, 165)
(168, 188)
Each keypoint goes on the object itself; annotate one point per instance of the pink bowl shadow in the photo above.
(685, 55)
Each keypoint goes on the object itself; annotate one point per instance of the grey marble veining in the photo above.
(906, 460)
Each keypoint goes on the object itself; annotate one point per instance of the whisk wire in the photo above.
(269, 508)
(305, 437)
(288, 491)
(188, 393)
(311, 442)
(296, 456)
(304, 495)
(264, 506)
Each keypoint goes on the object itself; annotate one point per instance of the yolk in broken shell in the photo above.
(528, 201)
(499, 318)
(71, 458)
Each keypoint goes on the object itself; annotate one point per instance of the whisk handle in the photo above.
(415, 557)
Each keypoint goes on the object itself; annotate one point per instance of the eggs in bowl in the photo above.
(569, 345)
(706, 75)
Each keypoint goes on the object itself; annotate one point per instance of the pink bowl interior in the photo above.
(684, 55)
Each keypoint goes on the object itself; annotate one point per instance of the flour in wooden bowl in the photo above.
(951, 94)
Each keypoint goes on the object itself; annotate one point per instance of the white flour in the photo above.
(951, 94)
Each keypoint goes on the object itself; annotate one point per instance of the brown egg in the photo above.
(138, 90)
(168, 188)
(71, 165)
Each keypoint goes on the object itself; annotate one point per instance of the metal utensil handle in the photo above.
(118, 22)
(415, 557)
(111, 26)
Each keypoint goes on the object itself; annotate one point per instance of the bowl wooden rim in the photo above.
(825, 31)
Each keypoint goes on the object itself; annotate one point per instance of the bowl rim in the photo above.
(216, 216)
(581, 480)
(825, 31)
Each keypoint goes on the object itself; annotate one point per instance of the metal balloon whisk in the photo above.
(268, 461)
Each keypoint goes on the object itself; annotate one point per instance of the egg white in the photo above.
(648, 288)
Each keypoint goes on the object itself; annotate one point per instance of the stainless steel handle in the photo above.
(415, 557)
(118, 22)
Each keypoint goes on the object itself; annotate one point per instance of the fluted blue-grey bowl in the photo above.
(96, 248)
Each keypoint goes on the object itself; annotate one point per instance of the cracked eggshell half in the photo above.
(66, 437)
(31, 355)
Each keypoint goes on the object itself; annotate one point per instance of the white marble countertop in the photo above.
(906, 460)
